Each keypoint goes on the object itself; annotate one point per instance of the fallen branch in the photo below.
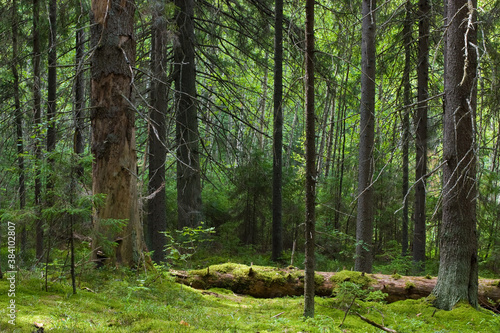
(375, 324)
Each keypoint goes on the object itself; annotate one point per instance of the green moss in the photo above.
(355, 277)
(396, 276)
(428, 276)
(409, 285)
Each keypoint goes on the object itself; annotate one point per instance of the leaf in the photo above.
(182, 322)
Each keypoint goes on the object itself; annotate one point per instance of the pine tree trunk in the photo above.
(458, 268)
(421, 136)
(189, 203)
(277, 247)
(310, 148)
(364, 224)
(113, 133)
(157, 214)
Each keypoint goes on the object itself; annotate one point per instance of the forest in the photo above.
(250, 166)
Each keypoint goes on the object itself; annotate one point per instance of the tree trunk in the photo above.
(364, 223)
(407, 39)
(116, 221)
(255, 281)
(157, 214)
(51, 99)
(458, 268)
(189, 204)
(421, 136)
(79, 145)
(309, 284)
(37, 115)
(19, 124)
(278, 134)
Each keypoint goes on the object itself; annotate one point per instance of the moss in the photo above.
(396, 276)
(428, 276)
(355, 277)
(409, 285)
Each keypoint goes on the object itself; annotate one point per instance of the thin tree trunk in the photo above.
(421, 136)
(278, 134)
(157, 214)
(364, 223)
(116, 221)
(458, 266)
(19, 124)
(189, 203)
(37, 115)
(309, 284)
(79, 145)
(407, 39)
(51, 97)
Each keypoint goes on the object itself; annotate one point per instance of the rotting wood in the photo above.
(291, 283)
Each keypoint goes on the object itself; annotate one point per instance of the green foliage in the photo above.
(183, 244)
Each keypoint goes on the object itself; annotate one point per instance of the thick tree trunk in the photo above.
(157, 214)
(189, 203)
(421, 136)
(310, 148)
(257, 282)
(113, 133)
(364, 223)
(278, 134)
(458, 268)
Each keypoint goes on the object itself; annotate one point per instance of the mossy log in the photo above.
(268, 282)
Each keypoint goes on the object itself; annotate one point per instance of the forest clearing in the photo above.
(250, 166)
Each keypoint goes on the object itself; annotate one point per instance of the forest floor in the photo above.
(127, 301)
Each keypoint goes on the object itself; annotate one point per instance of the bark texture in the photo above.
(157, 217)
(364, 223)
(189, 204)
(113, 133)
(458, 268)
(278, 134)
(421, 135)
(310, 261)
(256, 282)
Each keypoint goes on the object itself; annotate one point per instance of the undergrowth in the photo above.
(129, 301)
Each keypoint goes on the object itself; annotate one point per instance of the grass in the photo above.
(126, 301)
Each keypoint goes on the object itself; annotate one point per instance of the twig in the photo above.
(375, 324)
(277, 315)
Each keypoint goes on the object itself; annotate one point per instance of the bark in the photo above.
(79, 145)
(407, 39)
(37, 117)
(421, 136)
(277, 247)
(51, 95)
(113, 134)
(189, 203)
(290, 282)
(458, 268)
(19, 123)
(310, 149)
(157, 214)
(364, 223)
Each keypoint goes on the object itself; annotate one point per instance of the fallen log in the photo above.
(269, 282)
